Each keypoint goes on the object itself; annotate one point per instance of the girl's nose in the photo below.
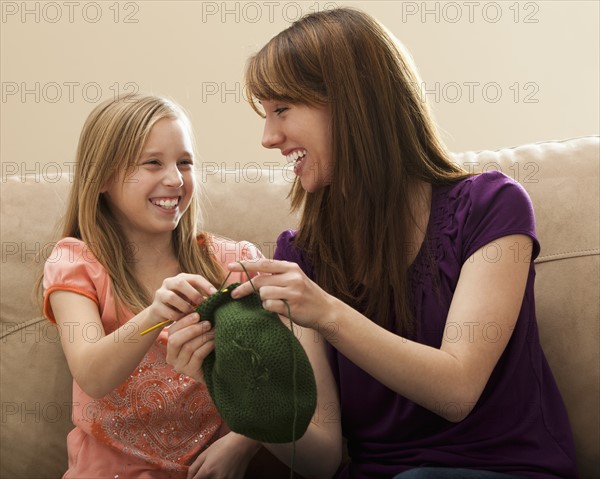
(173, 177)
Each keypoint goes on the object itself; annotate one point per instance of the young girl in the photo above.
(131, 257)
(420, 276)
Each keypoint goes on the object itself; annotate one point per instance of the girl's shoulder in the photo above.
(73, 267)
(69, 251)
(226, 250)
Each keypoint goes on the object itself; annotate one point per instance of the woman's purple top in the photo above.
(519, 425)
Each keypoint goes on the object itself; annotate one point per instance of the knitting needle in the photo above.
(156, 326)
(164, 323)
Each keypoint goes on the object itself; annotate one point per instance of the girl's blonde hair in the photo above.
(356, 232)
(110, 143)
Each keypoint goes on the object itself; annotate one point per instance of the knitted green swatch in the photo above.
(258, 375)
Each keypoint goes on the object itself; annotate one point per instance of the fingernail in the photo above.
(234, 294)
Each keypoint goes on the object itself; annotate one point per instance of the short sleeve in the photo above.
(286, 250)
(71, 267)
(497, 206)
(227, 251)
(249, 252)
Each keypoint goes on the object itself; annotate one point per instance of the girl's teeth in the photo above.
(166, 203)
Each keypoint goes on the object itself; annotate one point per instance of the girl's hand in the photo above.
(178, 296)
(226, 458)
(189, 343)
(308, 304)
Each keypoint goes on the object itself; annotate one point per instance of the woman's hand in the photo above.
(308, 304)
(189, 343)
(226, 458)
(178, 296)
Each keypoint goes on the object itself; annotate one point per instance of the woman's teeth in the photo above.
(168, 203)
(296, 155)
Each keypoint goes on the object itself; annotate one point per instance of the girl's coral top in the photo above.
(156, 422)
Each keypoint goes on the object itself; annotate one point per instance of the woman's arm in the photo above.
(319, 451)
(100, 362)
(488, 293)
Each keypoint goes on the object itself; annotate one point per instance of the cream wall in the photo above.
(497, 73)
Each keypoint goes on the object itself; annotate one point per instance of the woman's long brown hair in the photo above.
(357, 232)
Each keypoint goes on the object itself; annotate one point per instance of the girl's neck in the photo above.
(153, 257)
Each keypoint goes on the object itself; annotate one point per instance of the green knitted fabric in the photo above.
(258, 376)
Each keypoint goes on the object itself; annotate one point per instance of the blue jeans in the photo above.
(452, 473)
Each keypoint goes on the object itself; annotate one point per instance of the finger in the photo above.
(186, 334)
(277, 306)
(200, 283)
(201, 352)
(174, 301)
(196, 465)
(191, 357)
(261, 266)
(243, 290)
(184, 322)
(189, 287)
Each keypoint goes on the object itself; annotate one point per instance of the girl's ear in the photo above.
(107, 183)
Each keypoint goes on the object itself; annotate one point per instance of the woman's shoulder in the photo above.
(288, 250)
(478, 192)
(484, 207)
(486, 182)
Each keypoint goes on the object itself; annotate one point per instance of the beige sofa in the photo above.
(561, 177)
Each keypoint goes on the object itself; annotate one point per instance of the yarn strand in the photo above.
(294, 371)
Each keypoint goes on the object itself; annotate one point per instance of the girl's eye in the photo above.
(151, 162)
(280, 110)
(186, 162)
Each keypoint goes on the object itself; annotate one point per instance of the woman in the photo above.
(419, 275)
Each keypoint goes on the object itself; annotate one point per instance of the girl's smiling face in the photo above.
(303, 135)
(152, 198)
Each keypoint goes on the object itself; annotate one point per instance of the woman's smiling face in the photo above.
(303, 135)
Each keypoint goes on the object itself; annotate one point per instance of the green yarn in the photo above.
(258, 375)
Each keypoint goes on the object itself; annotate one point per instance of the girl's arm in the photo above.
(100, 362)
(487, 294)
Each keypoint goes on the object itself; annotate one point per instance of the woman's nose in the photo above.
(272, 136)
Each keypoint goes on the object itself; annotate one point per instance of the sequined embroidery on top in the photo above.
(157, 415)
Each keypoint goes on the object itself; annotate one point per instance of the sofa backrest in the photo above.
(562, 180)
(561, 177)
